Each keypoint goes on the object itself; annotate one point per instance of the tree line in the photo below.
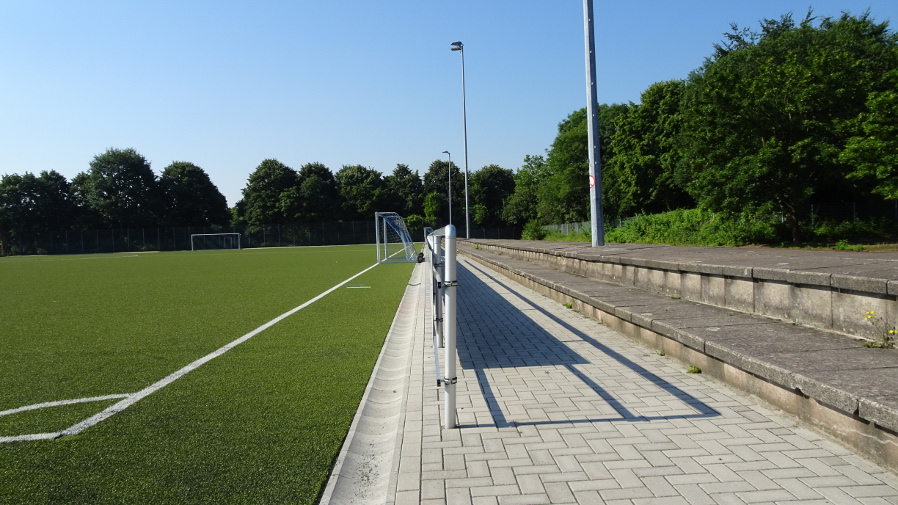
(119, 190)
(791, 113)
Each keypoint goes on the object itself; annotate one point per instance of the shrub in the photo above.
(533, 230)
(414, 223)
(696, 227)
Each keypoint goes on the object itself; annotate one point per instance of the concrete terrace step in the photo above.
(737, 314)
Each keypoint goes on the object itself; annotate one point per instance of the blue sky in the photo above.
(226, 84)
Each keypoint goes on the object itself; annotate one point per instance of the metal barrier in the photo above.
(443, 290)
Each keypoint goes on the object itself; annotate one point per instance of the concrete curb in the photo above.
(367, 467)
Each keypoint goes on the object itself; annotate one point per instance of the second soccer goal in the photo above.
(394, 243)
(214, 241)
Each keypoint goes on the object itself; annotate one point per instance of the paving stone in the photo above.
(776, 495)
(556, 408)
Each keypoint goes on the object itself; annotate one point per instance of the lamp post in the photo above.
(592, 102)
(450, 184)
(458, 46)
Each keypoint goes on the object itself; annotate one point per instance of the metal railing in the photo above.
(443, 290)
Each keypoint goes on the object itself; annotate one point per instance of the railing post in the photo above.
(444, 284)
(437, 256)
(450, 282)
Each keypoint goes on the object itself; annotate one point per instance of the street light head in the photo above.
(445, 152)
(457, 46)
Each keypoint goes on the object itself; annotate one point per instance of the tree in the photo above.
(84, 217)
(238, 213)
(433, 202)
(317, 196)
(122, 188)
(31, 205)
(190, 197)
(873, 152)
(436, 180)
(564, 194)
(490, 187)
(405, 190)
(642, 175)
(263, 196)
(771, 112)
(520, 206)
(361, 190)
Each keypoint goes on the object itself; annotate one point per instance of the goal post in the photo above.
(214, 241)
(394, 242)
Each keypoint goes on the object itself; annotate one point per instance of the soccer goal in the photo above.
(394, 242)
(214, 241)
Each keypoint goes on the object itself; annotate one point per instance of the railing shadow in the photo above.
(494, 342)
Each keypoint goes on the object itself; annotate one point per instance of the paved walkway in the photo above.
(556, 408)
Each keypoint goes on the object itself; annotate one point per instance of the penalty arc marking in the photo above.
(131, 399)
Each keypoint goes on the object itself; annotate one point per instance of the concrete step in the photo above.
(826, 377)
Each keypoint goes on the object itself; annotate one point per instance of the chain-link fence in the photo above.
(178, 238)
(840, 212)
(849, 212)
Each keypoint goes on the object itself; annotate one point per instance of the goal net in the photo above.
(394, 243)
(214, 241)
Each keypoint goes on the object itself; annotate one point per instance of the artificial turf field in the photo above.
(262, 423)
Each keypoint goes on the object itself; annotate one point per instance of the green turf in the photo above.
(260, 424)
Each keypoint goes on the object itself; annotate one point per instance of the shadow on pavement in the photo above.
(483, 350)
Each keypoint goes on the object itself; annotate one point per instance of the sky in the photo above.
(226, 84)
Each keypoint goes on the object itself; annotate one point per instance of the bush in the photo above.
(533, 230)
(697, 227)
(414, 223)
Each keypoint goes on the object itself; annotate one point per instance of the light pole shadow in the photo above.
(496, 333)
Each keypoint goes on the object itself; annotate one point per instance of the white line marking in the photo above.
(136, 397)
(60, 403)
(29, 438)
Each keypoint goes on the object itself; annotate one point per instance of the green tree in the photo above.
(436, 180)
(490, 187)
(362, 191)
(85, 217)
(405, 190)
(190, 197)
(873, 152)
(122, 188)
(564, 194)
(771, 112)
(263, 196)
(31, 205)
(520, 207)
(238, 213)
(317, 197)
(433, 202)
(642, 175)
